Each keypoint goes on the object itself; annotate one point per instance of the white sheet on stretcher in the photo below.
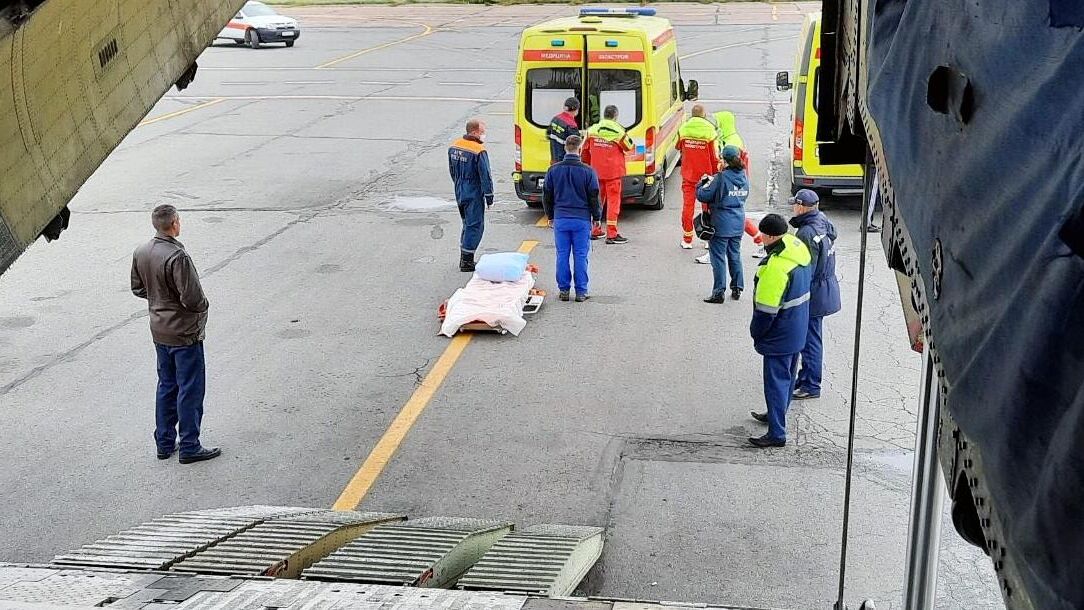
(499, 304)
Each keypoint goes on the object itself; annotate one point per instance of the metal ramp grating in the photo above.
(430, 552)
(162, 542)
(548, 560)
(285, 546)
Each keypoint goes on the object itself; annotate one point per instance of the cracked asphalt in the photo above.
(317, 207)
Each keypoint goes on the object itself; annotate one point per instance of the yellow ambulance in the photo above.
(621, 56)
(807, 172)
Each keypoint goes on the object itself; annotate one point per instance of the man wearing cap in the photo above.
(819, 235)
(780, 322)
(562, 126)
(570, 200)
(699, 158)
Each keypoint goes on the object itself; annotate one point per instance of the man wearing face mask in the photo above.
(468, 163)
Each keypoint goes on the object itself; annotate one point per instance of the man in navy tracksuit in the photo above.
(780, 318)
(818, 234)
(468, 163)
(570, 198)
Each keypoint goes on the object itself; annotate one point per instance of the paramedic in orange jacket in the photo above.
(605, 151)
(696, 141)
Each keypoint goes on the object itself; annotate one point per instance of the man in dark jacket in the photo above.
(780, 320)
(562, 126)
(818, 234)
(468, 163)
(724, 199)
(570, 198)
(163, 274)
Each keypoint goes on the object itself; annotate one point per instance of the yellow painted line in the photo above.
(543, 222)
(735, 45)
(385, 448)
(178, 113)
(427, 31)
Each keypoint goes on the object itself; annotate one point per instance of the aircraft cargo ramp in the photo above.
(292, 557)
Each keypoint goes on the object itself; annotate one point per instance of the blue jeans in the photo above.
(572, 235)
(809, 378)
(725, 252)
(473, 214)
(179, 405)
(779, 372)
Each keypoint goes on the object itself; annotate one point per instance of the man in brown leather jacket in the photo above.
(163, 274)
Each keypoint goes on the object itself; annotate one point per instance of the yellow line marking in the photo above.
(543, 222)
(385, 448)
(428, 30)
(734, 45)
(178, 113)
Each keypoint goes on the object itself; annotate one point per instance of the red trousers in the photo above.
(611, 202)
(688, 209)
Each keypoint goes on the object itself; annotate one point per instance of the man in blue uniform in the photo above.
(819, 235)
(468, 164)
(562, 126)
(780, 320)
(570, 199)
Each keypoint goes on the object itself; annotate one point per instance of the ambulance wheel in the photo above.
(252, 38)
(660, 196)
(534, 205)
(289, 43)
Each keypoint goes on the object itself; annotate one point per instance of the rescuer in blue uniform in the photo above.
(819, 235)
(562, 126)
(468, 163)
(780, 321)
(570, 199)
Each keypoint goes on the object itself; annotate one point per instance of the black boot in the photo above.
(466, 261)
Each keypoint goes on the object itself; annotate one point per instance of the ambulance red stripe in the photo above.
(552, 55)
(602, 57)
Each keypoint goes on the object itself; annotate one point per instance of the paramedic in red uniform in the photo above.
(696, 141)
(604, 151)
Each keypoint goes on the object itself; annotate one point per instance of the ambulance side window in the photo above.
(547, 90)
(675, 81)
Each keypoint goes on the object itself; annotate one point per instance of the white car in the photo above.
(256, 23)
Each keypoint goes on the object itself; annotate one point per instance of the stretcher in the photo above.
(500, 307)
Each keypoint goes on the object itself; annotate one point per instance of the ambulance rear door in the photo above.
(616, 75)
(551, 71)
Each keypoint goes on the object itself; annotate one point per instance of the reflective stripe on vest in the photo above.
(773, 276)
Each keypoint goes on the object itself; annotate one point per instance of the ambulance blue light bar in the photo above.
(598, 11)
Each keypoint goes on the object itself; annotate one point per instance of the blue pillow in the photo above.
(501, 267)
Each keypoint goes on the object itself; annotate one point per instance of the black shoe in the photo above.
(735, 293)
(202, 455)
(617, 240)
(715, 298)
(563, 295)
(599, 236)
(801, 394)
(760, 417)
(166, 456)
(466, 262)
(766, 441)
(873, 229)
(580, 298)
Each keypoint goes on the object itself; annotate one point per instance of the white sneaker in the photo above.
(686, 245)
(759, 252)
(704, 260)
